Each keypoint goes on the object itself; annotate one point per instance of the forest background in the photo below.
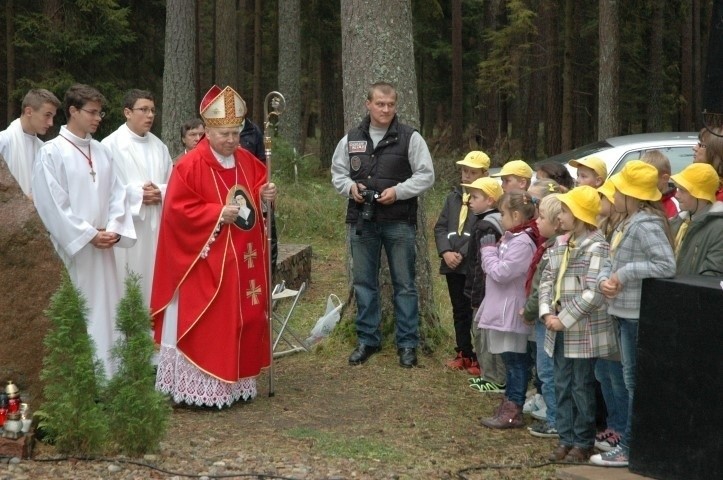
(516, 78)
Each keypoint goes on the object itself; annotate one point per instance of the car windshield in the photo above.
(579, 152)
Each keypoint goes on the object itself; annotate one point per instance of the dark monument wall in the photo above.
(677, 414)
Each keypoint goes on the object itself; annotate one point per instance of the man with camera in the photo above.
(382, 166)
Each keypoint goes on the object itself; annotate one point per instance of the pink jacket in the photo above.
(506, 269)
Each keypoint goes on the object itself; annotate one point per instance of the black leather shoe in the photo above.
(362, 353)
(407, 357)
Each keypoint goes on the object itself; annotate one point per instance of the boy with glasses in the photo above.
(143, 166)
(84, 206)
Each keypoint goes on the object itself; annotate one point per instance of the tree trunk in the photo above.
(457, 118)
(258, 100)
(331, 112)
(697, 63)
(608, 124)
(491, 122)
(712, 92)
(225, 30)
(383, 49)
(179, 71)
(686, 119)
(290, 72)
(567, 76)
(10, 54)
(655, 99)
(551, 32)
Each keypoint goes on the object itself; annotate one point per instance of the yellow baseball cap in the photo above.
(515, 167)
(476, 159)
(490, 187)
(596, 163)
(638, 180)
(583, 202)
(608, 189)
(699, 179)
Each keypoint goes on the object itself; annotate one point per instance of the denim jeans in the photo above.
(518, 374)
(461, 313)
(398, 240)
(575, 390)
(628, 354)
(610, 375)
(545, 373)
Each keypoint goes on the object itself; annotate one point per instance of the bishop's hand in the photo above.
(229, 213)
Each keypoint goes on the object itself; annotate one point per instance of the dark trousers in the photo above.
(461, 313)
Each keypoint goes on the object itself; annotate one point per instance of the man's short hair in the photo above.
(132, 96)
(37, 97)
(190, 125)
(385, 87)
(80, 94)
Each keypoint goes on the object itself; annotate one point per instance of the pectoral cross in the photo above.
(92, 174)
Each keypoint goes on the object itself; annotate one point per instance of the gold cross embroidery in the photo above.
(253, 292)
(249, 255)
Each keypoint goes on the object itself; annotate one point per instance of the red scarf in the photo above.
(530, 228)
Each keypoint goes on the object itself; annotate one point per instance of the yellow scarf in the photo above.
(463, 213)
(561, 272)
(680, 236)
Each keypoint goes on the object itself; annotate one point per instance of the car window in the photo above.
(679, 156)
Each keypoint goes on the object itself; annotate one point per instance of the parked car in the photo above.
(617, 151)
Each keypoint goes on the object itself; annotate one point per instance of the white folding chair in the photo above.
(286, 341)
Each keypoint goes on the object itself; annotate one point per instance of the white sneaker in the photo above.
(540, 413)
(531, 403)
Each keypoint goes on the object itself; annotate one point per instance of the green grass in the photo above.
(334, 445)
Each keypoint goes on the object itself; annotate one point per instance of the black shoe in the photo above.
(407, 357)
(362, 353)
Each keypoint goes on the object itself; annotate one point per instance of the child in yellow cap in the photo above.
(699, 245)
(591, 171)
(609, 371)
(516, 175)
(451, 235)
(643, 251)
(488, 369)
(579, 330)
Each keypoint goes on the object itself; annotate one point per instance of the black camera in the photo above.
(370, 197)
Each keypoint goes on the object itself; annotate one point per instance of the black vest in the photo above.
(380, 168)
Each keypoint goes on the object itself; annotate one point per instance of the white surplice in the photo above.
(19, 149)
(139, 160)
(74, 206)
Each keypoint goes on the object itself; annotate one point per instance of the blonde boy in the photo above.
(661, 163)
(516, 175)
(591, 171)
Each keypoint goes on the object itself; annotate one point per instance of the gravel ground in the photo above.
(326, 421)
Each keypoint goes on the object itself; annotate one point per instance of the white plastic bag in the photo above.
(326, 323)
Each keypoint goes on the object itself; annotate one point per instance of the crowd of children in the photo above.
(549, 274)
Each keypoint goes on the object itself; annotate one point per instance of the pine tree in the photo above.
(138, 414)
(71, 417)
